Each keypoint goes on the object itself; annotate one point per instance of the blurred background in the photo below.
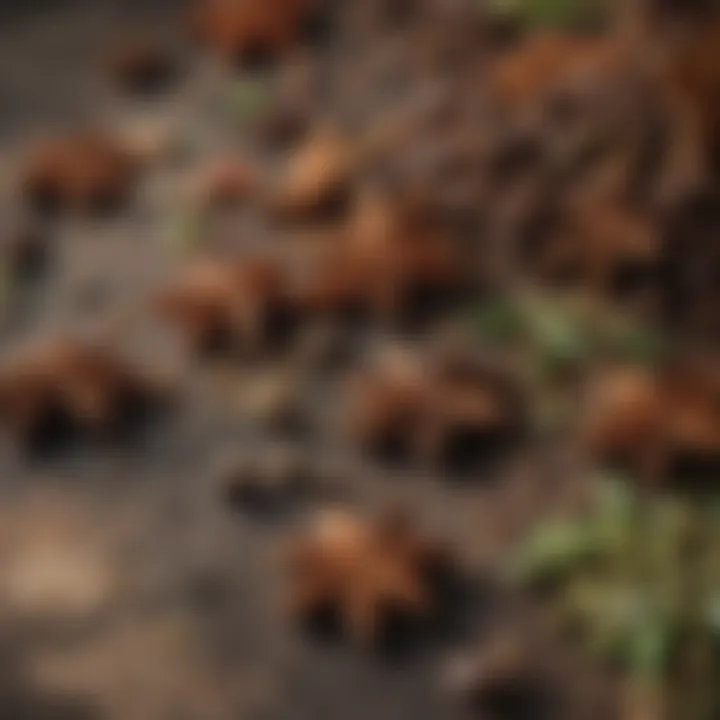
(358, 358)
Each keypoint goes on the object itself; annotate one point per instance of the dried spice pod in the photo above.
(385, 264)
(86, 172)
(66, 383)
(411, 267)
(657, 423)
(450, 412)
(528, 75)
(369, 574)
(218, 305)
(243, 31)
(605, 248)
(472, 410)
(385, 403)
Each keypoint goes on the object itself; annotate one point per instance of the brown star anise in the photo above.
(386, 263)
(367, 573)
(446, 410)
(70, 383)
(656, 422)
(242, 30)
(236, 304)
(85, 171)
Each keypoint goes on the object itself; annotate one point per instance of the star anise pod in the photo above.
(218, 305)
(83, 171)
(368, 573)
(655, 422)
(245, 30)
(68, 383)
(445, 410)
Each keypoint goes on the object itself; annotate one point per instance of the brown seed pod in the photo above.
(82, 171)
(244, 30)
(410, 266)
(525, 77)
(448, 411)
(386, 403)
(656, 422)
(368, 573)
(604, 248)
(383, 264)
(68, 383)
(219, 305)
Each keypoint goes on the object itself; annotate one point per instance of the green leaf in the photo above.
(650, 646)
(609, 612)
(555, 549)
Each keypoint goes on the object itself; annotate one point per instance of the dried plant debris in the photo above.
(137, 64)
(247, 31)
(687, 79)
(547, 62)
(661, 424)
(219, 305)
(368, 574)
(605, 249)
(66, 384)
(82, 171)
(448, 411)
